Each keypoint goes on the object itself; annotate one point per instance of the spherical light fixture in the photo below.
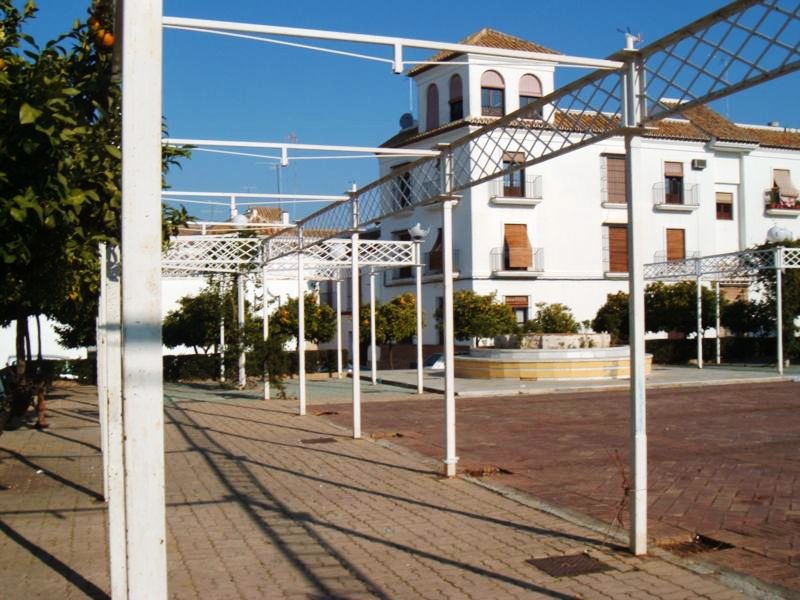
(417, 233)
(777, 234)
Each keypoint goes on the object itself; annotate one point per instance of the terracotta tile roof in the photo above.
(488, 38)
(775, 138)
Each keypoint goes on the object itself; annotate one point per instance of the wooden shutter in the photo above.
(518, 247)
(676, 244)
(615, 173)
(673, 169)
(724, 206)
(517, 301)
(618, 248)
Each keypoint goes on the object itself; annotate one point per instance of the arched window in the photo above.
(456, 98)
(493, 101)
(432, 110)
(530, 89)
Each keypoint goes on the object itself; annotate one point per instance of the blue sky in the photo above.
(233, 89)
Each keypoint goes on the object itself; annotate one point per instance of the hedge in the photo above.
(733, 350)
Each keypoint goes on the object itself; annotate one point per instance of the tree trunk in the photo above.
(28, 353)
(38, 338)
(391, 357)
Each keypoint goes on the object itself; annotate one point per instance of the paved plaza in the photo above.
(262, 503)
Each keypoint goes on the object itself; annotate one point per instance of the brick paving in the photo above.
(724, 461)
(262, 504)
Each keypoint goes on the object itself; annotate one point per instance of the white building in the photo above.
(557, 231)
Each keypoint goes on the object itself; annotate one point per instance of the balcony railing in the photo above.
(531, 188)
(406, 274)
(776, 203)
(499, 261)
(661, 256)
(685, 197)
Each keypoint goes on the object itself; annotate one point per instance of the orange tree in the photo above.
(60, 127)
(395, 321)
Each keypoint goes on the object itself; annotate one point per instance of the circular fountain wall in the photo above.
(562, 357)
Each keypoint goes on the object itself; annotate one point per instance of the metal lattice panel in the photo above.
(211, 254)
(744, 264)
(745, 43)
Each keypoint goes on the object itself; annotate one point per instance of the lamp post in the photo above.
(418, 235)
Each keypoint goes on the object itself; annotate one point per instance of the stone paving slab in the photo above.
(724, 461)
(262, 503)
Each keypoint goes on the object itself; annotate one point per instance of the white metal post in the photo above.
(637, 214)
(102, 365)
(779, 306)
(699, 292)
(241, 320)
(117, 489)
(356, 318)
(717, 324)
(373, 347)
(451, 459)
(142, 387)
(265, 323)
(339, 327)
(418, 260)
(301, 324)
(222, 338)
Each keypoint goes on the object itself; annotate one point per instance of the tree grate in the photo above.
(569, 565)
(320, 440)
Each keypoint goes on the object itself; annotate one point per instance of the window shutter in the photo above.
(673, 169)
(676, 244)
(615, 171)
(618, 248)
(518, 246)
(517, 301)
(435, 255)
(783, 180)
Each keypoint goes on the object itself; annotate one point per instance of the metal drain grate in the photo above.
(700, 543)
(321, 440)
(570, 565)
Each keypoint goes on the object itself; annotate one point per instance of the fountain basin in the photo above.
(533, 364)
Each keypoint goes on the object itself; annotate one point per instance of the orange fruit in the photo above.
(94, 23)
(2, 64)
(108, 40)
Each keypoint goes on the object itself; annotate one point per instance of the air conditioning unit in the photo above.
(698, 164)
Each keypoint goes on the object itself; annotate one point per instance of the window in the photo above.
(432, 108)
(673, 183)
(513, 181)
(456, 98)
(518, 251)
(519, 304)
(530, 90)
(616, 186)
(784, 194)
(440, 311)
(435, 255)
(676, 244)
(402, 236)
(493, 100)
(617, 248)
(724, 206)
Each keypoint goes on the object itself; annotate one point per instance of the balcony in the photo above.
(780, 205)
(527, 194)
(661, 256)
(430, 272)
(680, 198)
(499, 264)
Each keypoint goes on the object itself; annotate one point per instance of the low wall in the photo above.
(581, 363)
(553, 341)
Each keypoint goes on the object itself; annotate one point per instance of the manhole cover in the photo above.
(321, 440)
(700, 543)
(570, 565)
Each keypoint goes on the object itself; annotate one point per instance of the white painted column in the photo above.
(717, 324)
(699, 294)
(418, 301)
(142, 376)
(450, 460)
(339, 327)
(779, 306)
(265, 322)
(102, 365)
(373, 346)
(241, 320)
(117, 489)
(301, 324)
(636, 218)
(356, 318)
(222, 345)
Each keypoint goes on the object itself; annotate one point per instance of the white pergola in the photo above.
(736, 47)
(743, 265)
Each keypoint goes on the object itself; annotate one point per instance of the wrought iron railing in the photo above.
(687, 194)
(500, 262)
(530, 187)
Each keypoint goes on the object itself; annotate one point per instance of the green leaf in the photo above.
(18, 214)
(28, 114)
(113, 151)
(70, 92)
